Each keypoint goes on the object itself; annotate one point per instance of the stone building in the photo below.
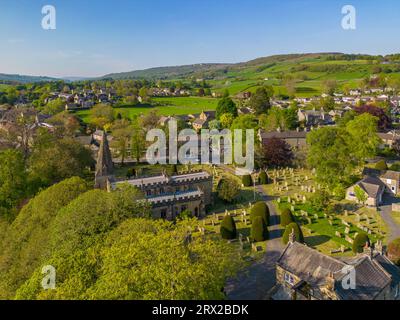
(303, 273)
(168, 195)
(171, 195)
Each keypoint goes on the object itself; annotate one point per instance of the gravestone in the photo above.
(347, 230)
(338, 234)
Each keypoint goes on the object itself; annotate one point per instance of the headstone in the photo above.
(342, 248)
(316, 216)
(347, 230)
(330, 222)
(338, 234)
(348, 239)
(292, 208)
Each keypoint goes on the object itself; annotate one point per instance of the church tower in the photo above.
(104, 165)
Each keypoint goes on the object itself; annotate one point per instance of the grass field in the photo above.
(165, 106)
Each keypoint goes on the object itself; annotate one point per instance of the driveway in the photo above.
(257, 280)
(386, 213)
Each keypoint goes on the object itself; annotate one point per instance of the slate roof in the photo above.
(373, 274)
(372, 186)
(393, 175)
(284, 135)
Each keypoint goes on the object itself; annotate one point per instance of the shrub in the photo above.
(359, 242)
(247, 180)
(260, 209)
(286, 217)
(174, 168)
(263, 178)
(228, 228)
(228, 189)
(297, 232)
(381, 165)
(394, 251)
(395, 166)
(259, 231)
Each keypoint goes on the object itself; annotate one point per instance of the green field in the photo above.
(165, 106)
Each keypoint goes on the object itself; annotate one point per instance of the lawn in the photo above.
(164, 106)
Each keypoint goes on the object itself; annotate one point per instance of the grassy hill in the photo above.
(17, 78)
(308, 71)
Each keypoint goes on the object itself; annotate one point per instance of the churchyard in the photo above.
(331, 230)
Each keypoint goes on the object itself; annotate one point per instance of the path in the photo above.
(386, 214)
(255, 282)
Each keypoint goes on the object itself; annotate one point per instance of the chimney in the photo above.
(368, 250)
(330, 281)
(298, 129)
(278, 129)
(292, 237)
(379, 247)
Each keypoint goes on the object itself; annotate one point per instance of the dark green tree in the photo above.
(260, 101)
(228, 228)
(286, 217)
(259, 231)
(226, 105)
(297, 232)
(360, 242)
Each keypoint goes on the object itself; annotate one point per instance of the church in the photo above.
(168, 195)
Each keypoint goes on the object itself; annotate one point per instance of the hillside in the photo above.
(17, 78)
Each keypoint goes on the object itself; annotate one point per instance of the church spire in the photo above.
(104, 166)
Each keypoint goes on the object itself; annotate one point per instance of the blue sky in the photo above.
(96, 37)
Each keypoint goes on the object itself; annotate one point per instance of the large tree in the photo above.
(122, 134)
(260, 101)
(275, 153)
(226, 105)
(384, 121)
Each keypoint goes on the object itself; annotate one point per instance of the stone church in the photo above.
(168, 195)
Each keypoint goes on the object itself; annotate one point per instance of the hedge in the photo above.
(228, 228)
(260, 209)
(297, 232)
(286, 217)
(360, 242)
(263, 178)
(247, 180)
(259, 231)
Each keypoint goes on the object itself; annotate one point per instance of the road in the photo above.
(386, 213)
(255, 282)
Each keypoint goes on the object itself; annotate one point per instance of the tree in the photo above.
(384, 121)
(276, 153)
(101, 115)
(247, 181)
(320, 200)
(360, 194)
(28, 239)
(260, 101)
(228, 189)
(260, 209)
(297, 232)
(126, 265)
(330, 155)
(263, 178)
(360, 242)
(138, 141)
(150, 120)
(226, 105)
(394, 251)
(362, 136)
(228, 228)
(214, 125)
(226, 120)
(54, 107)
(329, 87)
(13, 184)
(286, 217)
(122, 135)
(185, 215)
(259, 232)
(54, 160)
(381, 165)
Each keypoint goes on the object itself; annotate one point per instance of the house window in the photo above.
(393, 189)
(289, 279)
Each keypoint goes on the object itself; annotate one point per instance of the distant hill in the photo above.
(168, 72)
(24, 79)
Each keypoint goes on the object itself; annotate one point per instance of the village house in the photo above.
(303, 273)
(376, 184)
(314, 117)
(297, 139)
(201, 122)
